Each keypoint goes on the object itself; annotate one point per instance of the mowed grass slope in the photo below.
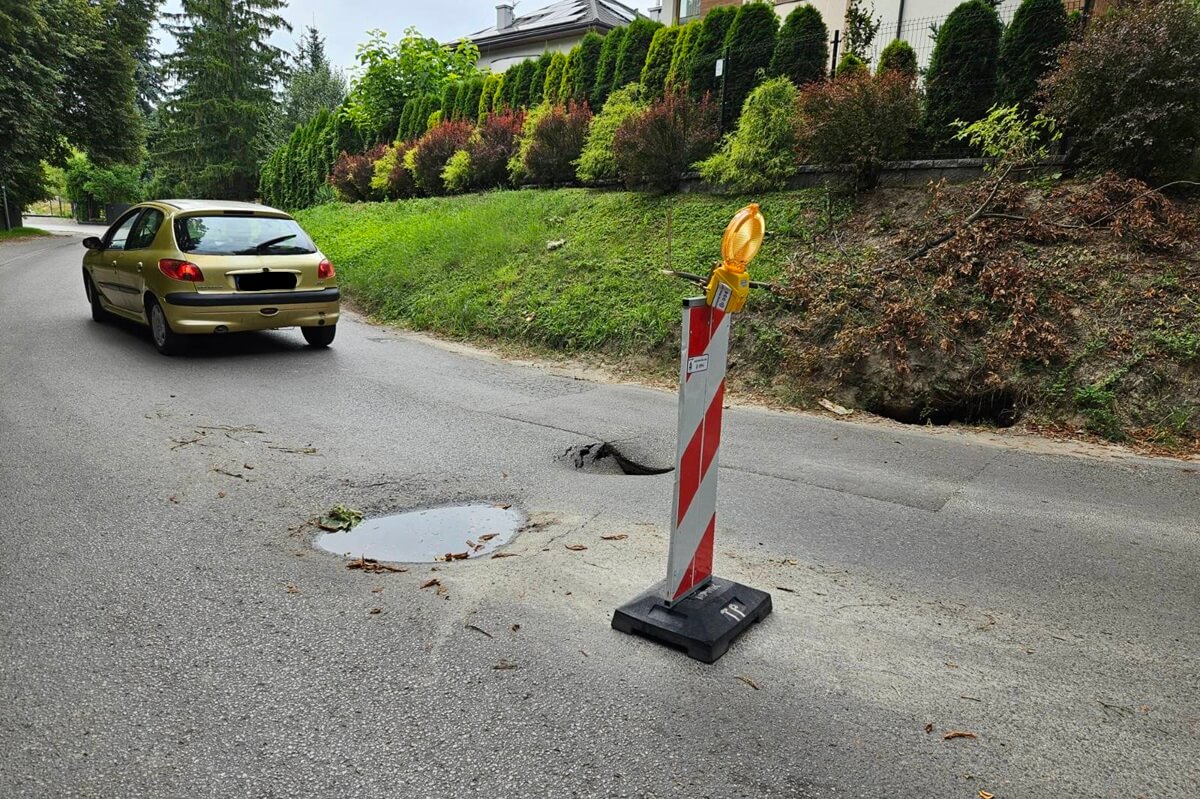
(573, 269)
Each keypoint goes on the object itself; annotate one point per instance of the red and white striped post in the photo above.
(692, 609)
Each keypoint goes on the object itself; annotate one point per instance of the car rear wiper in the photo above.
(262, 245)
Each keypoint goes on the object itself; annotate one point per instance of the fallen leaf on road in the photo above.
(971, 698)
(952, 734)
(833, 407)
(576, 547)
(748, 681)
(515, 627)
(457, 555)
(296, 450)
(228, 473)
(504, 505)
(617, 537)
(370, 566)
(220, 495)
(487, 536)
(478, 630)
(781, 588)
(247, 466)
(928, 728)
(173, 499)
(951, 665)
(291, 589)
(985, 795)
(375, 611)
(377, 589)
(585, 654)
(430, 583)
(504, 665)
(504, 555)
(442, 592)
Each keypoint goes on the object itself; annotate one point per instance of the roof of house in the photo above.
(558, 19)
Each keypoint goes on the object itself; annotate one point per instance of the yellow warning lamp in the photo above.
(730, 282)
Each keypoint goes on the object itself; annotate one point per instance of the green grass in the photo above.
(479, 265)
(21, 233)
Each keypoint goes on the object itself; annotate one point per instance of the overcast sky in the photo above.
(344, 23)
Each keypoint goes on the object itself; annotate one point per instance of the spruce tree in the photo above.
(802, 50)
(658, 60)
(710, 46)
(749, 45)
(224, 70)
(584, 74)
(606, 67)
(961, 81)
(1029, 48)
(631, 58)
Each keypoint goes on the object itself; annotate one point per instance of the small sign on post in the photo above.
(720, 69)
(691, 608)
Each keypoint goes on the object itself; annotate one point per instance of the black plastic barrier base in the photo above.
(703, 625)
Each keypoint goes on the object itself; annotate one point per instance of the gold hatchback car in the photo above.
(185, 267)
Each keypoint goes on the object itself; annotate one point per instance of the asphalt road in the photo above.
(167, 629)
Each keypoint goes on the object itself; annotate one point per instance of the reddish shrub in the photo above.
(400, 181)
(494, 143)
(554, 143)
(434, 150)
(351, 175)
(656, 147)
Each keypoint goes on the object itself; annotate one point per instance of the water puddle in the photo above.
(458, 532)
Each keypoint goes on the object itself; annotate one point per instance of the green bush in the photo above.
(391, 180)
(537, 79)
(296, 174)
(961, 81)
(487, 97)
(681, 54)
(566, 86)
(1128, 92)
(858, 121)
(554, 72)
(802, 50)
(521, 75)
(456, 176)
(749, 46)
(585, 74)
(710, 45)
(761, 153)
(850, 64)
(1029, 49)
(654, 148)
(468, 99)
(658, 60)
(899, 57)
(597, 161)
(635, 46)
(449, 107)
(606, 67)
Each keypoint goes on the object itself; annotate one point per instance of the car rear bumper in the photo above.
(232, 313)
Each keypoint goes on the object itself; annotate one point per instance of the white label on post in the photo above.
(720, 67)
(722, 297)
(697, 364)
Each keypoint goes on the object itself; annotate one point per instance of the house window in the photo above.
(689, 10)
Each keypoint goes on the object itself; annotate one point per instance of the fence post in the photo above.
(721, 103)
(833, 63)
(7, 223)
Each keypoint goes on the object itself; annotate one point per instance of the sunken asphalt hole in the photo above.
(993, 408)
(601, 456)
(455, 532)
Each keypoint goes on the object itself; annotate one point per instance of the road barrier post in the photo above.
(692, 609)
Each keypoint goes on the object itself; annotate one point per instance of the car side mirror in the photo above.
(93, 243)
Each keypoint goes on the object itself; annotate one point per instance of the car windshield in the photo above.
(241, 235)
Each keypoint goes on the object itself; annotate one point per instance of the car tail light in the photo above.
(324, 270)
(180, 270)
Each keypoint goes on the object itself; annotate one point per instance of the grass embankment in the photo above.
(21, 233)
(1060, 316)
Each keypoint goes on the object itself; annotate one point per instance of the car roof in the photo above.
(218, 205)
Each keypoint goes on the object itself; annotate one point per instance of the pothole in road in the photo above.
(993, 408)
(601, 456)
(456, 532)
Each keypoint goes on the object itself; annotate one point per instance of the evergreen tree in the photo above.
(898, 56)
(658, 60)
(468, 99)
(449, 105)
(961, 81)
(681, 54)
(537, 79)
(521, 74)
(312, 84)
(224, 70)
(487, 97)
(802, 51)
(558, 62)
(606, 67)
(749, 45)
(631, 57)
(1029, 48)
(585, 73)
(566, 86)
(710, 46)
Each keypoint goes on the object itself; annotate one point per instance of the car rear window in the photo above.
(218, 234)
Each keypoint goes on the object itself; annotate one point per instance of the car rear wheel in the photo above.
(319, 336)
(166, 340)
(99, 314)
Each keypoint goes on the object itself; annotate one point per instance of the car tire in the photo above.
(319, 336)
(99, 314)
(166, 340)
